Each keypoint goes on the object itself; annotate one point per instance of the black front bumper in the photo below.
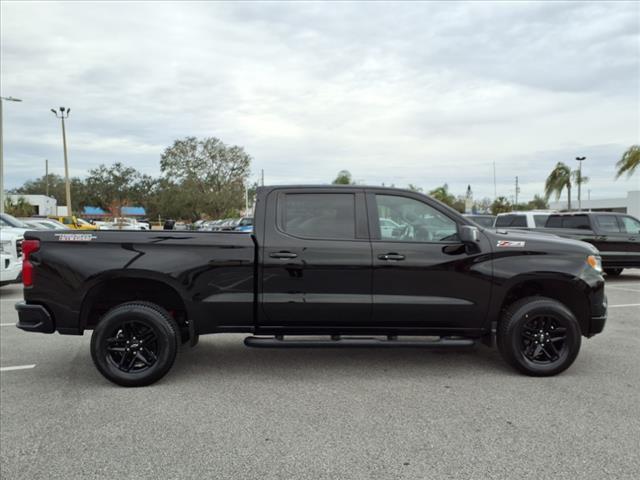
(599, 308)
(34, 318)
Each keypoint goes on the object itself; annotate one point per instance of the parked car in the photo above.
(11, 256)
(124, 223)
(40, 223)
(9, 223)
(318, 264)
(615, 235)
(244, 225)
(74, 223)
(485, 221)
(522, 219)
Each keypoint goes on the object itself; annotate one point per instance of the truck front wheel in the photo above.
(135, 344)
(539, 336)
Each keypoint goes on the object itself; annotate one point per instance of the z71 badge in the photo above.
(510, 244)
(75, 237)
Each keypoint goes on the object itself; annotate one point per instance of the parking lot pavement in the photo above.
(227, 411)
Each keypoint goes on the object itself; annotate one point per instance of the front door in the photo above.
(423, 276)
(316, 260)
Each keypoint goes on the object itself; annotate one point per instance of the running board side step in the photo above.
(337, 341)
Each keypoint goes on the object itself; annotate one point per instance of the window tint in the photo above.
(511, 221)
(404, 219)
(540, 220)
(554, 221)
(608, 223)
(630, 224)
(320, 215)
(576, 221)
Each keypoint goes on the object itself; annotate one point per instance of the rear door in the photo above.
(316, 269)
(423, 276)
(631, 229)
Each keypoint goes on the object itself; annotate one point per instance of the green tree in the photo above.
(500, 205)
(629, 161)
(442, 194)
(206, 176)
(19, 208)
(538, 203)
(112, 188)
(344, 178)
(558, 180)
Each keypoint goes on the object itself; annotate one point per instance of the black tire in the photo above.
(539, 336)
(118, 345)
(613, 272)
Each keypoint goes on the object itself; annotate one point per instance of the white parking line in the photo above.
(7, 324)
(17, 367)
(622, 288)
(625, 305)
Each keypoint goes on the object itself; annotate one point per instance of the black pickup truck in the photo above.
(615, 235)
(325, 267)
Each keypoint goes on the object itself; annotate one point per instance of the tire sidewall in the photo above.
(165, 335)
(512, 344)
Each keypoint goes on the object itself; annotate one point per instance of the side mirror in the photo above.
(469, 234)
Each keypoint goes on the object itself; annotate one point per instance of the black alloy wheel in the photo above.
(135, 344)
(539, 336)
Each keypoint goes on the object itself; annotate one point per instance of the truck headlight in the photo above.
(5, 247)
(595, 262)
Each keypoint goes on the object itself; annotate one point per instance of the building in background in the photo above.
(629, 204)
(42, 205)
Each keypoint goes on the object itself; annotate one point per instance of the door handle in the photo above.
(283, 255)
(391, 256)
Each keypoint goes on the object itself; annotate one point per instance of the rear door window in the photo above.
(608, 223)
(319, 215)
(576, 221)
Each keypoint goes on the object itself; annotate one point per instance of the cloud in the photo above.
(421, 93)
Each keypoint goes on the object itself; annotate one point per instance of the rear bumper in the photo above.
(34, 318)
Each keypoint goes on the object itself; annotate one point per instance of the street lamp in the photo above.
(64, 113)
(8, 99)
(580, 160)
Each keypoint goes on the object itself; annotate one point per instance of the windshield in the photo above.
(7, 220)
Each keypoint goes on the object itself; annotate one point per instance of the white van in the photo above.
(524, 219)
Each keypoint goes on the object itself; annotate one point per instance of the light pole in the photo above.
(62, 117)
(580, 160)
(8, 99)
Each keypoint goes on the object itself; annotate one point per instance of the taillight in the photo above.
(28, 247)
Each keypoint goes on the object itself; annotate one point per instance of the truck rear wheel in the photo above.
(539, 336)
(135, 344)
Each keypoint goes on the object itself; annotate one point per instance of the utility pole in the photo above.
(62, 117)
(8, 99)
(495, 189)
(580, 160)
(262, 177)
(517, 192)
(46, 176)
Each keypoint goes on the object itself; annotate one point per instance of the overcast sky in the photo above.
(422, 93)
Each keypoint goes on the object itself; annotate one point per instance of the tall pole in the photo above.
(62, 117)
(9, 99)
(67, 185)
(580, 160)
(46, 176)
(262, 177)
(495, 189)
(517, 192)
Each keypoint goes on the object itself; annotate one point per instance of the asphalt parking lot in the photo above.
(227, 411)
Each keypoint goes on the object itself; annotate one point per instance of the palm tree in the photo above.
(557, 181)
(629, 161)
